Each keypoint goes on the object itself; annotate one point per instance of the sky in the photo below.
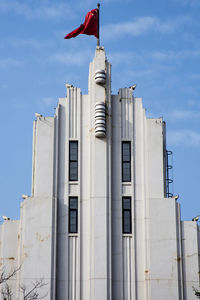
(155, 44)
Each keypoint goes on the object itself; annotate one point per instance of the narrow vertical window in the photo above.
(126, 161)
(73, 161)
(73, 214)
(126, 215)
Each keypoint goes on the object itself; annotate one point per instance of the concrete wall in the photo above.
(190, 250)
(9, 245)
(43, 159)
(36, 253)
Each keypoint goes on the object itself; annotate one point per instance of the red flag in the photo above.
(89, 27)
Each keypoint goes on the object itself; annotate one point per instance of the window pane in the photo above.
(73, 160)
(127, 221)
(126, 172)
(126, 214)
(126, 161)
(73, 203)
(126, 155)
(73, 151)
(73, 171)
(73, 214)
(73, 221)
(126, 203)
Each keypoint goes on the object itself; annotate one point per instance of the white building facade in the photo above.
(98, 224)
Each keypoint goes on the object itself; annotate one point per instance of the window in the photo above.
(73, 161)
(73, 214)
(126, 161)
(126, 215)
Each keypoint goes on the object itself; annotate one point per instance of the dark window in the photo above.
(73, 161)
(73, 214)
(126, 161)
(126, 215)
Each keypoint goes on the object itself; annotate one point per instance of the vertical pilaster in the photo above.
(100, 186)
(68, 245)
(139, 186)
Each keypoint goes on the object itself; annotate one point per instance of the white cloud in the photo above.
(28, 43)
(3, 86)
(83, 4)
(142, 25)
(40, 9)
(184, 138)
(170, 25)
(172, 55)
(194, 103)
(134, 28)
(195, 76)
(14, 42)
(77, 58)
(48, 101)
(192, 3)
(184, 114)
(153, 60)
(122, 57)
(10, 62)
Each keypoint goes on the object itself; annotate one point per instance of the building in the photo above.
(100, 223)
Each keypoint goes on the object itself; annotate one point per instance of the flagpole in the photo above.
(98, 39)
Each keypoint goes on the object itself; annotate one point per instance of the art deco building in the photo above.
(100, 223)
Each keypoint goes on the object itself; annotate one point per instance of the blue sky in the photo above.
(155, 44)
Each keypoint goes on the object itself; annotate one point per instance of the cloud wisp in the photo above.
(192, 3)
(184, 137)
(184, 114)
(134, 28)
(160, 57)
(142, 25)
(77, 58)
(10, 62)
(90, 3)
(172, 55)
(48, 101)
(41, 10)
